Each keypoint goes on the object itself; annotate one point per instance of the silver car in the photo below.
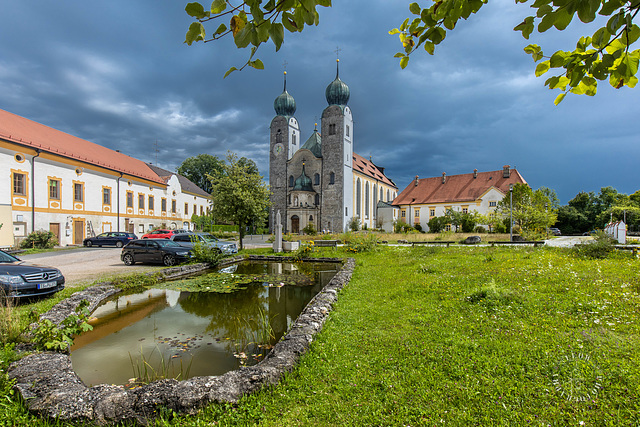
(188, 240)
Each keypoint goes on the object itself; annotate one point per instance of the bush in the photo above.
(206, 254)
(304, 251)
(437, 224)
(39, 239)
(600, 247)
(310, 230)
(418, 227)
(479, 229)
(361, 243)
(354, 223)
(402, 227)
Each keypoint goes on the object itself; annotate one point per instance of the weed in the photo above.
(49, 336)
(145, 373)
(598, 248)
(10, 325)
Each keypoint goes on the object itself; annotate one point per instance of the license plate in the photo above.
(47, 285)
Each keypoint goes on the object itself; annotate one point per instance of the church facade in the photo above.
(322, 181)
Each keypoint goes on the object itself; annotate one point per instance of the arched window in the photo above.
(366, 200)
(375, 198)
(310, 217)
(317, 199)
(381, 194)
(358, 197)
(290, 180)
(279, 136)
(388, 196)
(332, 178)
(316, 179)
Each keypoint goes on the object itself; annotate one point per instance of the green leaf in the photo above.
(394, 31)
(276, 32)
(257, 64)
(631, 35)
(398, 55)
(611, 6)
(557, 59)
(196, 10)
(415, 8)
(429, 47)
(535, 51)
(231, 70)
(585, 11)
(559, 98)
(600, 38)
(404, 61)
(563, 19)
(436, 35)
(547, 22)
(218, 6)
(195, 33)
(526, 27)
(221, 29)
(542, 68)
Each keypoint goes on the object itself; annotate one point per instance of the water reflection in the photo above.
(167, 331)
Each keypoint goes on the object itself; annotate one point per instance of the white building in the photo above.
(57, 182)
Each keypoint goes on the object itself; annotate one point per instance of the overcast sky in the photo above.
(117, 73)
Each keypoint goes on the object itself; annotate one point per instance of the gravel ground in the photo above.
(87, 264)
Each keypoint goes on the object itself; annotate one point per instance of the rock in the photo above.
(472, 240)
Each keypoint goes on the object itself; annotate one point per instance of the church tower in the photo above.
(285, 140)
(337, 155)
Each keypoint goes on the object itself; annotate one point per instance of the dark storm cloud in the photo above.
(117, 73)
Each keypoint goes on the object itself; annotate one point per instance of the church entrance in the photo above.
(295, 224)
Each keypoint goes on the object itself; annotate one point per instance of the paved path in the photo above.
(567, 241)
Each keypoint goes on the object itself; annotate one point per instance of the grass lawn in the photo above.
(459, 336)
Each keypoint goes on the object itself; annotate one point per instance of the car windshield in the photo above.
(5, 257)
(208, 237)
(165, 243)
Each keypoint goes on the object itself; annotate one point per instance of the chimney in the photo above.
(417, 180)
(444, 177)
(475, 173)
(506, 171)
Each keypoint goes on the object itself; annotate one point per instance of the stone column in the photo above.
(277, 243)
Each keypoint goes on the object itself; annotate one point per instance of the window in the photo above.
(293, 140)
(186, 209)
(78, 192)
(332, 178)
(388, 198)
(317, 199)
(163, 205)
(173, 206)
(316, 179)
(201, 211)
(465, 210)
(492, 204)
(141, 229)
(291, 181)
(195, 209)
(381, 195)
(347, 130)
(366, 200)
(310, 217)
(54, 189)
(279, 136)
(432, 212)
(140, 201)
(129, 199)
(403, 213)
(19, 184)
(151, 207)
(332, 129)
(106, 196)
(358, 197)
(416, 213)
(447, 227)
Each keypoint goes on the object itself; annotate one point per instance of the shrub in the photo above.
(310, 230)
(49, 336)
(10, 327)
(304, 251)
(600, 247)
(361, 243)
(418, 227)
(354, 223)
(437, 224)
(206, 254)
(39, 239)
(479, 229)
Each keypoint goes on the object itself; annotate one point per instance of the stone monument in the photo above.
(277, 243)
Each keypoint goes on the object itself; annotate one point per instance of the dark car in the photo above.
(19, 279)
(189, 239)
(555, 231)
(163, 234)
(110, 238)
(159, 251)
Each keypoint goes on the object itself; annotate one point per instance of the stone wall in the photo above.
(50, 387)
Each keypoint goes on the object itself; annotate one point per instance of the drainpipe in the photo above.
(33, 194)
(118, 198)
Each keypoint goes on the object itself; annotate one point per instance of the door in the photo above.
(295, 224)
(54, 227)
(78, 231)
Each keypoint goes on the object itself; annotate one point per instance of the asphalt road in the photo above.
(84, 265)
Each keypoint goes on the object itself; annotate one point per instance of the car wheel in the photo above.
(169, 260)
(118, 244)
(128, 259)
(89, 244)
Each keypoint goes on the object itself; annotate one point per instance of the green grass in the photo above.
(461, 336)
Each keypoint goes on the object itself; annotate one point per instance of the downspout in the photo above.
(118, 199)
(33, 189)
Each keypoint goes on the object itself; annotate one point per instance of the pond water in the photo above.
(178, 333)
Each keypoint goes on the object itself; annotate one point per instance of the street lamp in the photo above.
(511, 212)
(546, 221)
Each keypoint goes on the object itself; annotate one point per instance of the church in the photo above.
(322, 182)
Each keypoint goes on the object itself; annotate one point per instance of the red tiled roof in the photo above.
(456, 188)
(366, 167)
(35, 135)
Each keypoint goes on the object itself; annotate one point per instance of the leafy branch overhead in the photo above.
(604, 55)
(251, 22)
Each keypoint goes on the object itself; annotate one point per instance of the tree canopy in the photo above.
(239, 194)
(533, 211)
(196, 169)
(604, 55)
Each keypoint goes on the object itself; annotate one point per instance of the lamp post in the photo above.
(511, 212)
(546, 222)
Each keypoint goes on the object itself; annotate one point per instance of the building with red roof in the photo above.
(75, 188)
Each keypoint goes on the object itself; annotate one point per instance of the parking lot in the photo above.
(83, 265)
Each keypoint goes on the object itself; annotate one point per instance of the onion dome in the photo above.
(284, 104)
(337, 93)
(303, 183)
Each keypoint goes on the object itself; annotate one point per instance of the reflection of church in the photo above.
(322, 182)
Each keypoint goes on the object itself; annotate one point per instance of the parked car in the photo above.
(555, 231)
(163, 234)
(110, 238)
(159, 251)
(189, 239)
(20, 279)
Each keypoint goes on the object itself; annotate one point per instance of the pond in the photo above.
(201, 326)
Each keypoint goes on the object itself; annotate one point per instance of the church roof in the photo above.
(314, 144)
(368, 168)
(466, 187)
(303, 183)
(284, 104)
(25, 132)
(337, 93)
(187, 185)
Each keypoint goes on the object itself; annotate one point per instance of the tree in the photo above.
(196, 169)
(531, 209)
(239, 195)
(604, 55)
